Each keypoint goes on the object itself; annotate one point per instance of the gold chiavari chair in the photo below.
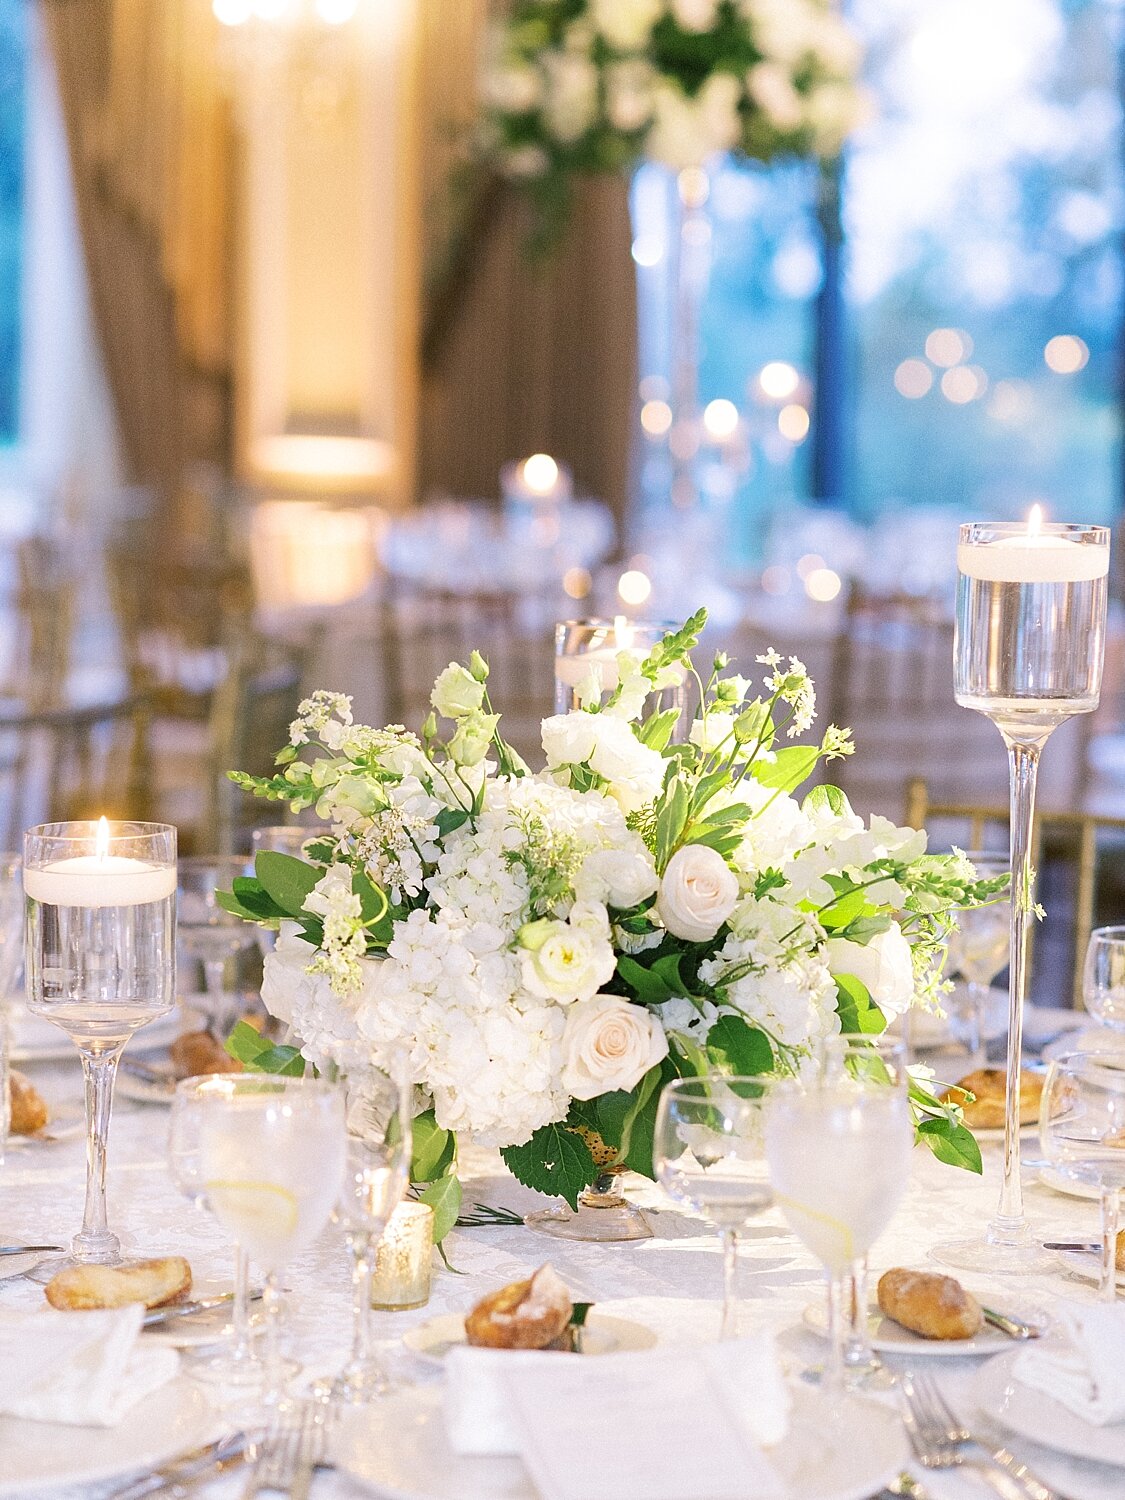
(1080, 858)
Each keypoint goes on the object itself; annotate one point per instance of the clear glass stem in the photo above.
(94, 1242)
(273, 1393)
(858, 1353)
(976, 998)
(728, 1326)
(839, 1328)
(240, 1347)
(364, 1250)
(1008, 1226)
(1107, 1289)
(214, 970)
(5, 1081)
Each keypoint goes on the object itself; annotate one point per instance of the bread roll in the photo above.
(986, 1111)
(29, 1108)
(197, 1052)
(531, 1314)
(935, 1307)
(153, 1282)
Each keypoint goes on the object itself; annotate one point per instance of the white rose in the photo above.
(695, 15)
(622, 878)
(698, 893)
(609, 1044)
(457, 693)
(283, 974)
(625, 23)
(568, 739)
(565, 963)
(883, 965)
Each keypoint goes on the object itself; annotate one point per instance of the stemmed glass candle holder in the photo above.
(586, 652)
(101, 963)
(1028, 654)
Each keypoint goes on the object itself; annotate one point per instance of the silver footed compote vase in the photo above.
(1028, 653)
(100, 957)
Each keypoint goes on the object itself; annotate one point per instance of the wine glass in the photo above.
(237, 1365)
(708, 1153)
(11, 956)
(1082, 1133)
(272, 1154)
(978, 951)
(838, 1146)
(206, 932)
(1103, 977)
(1029, 646)
(380, 1134)
(101, 963)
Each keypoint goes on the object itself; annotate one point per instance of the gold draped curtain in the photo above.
(151, 152)
(519, 356)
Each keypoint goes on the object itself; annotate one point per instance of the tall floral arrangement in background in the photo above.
(578, 86)
(546, 949)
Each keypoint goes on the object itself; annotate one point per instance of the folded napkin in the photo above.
(1087, 1374)
(82, 1368)
(598, 1428)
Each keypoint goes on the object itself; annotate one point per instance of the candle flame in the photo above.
(622, 633)
(101, 840)
(1035, 520)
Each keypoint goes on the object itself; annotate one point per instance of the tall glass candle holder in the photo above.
(101, 963)
(586, 651)
(1028, 654)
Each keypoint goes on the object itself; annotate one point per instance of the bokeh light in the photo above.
(1066, 354)
(232, 12)
(775, 580)
(778, 379)
(823, 585)
(577, 583)
(335, 12)
(913, 379)
(793, 423)
(948, 346)
(809, 563)
(648, 251)
(962, 384)
(540, 473)
(720, 417)
(634, 587)
(656, 418)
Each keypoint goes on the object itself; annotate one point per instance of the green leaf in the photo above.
(245, 1043)
(579, 1313)
(259, 1055)
(791, 766)
(287, 879)
(647, 985)
(735, 1044)
(373, 903)
(434, 1148)
(444, 1197)
(855, 1007)
(671, 820)
(849, 903)
(657, 729)
(450, 818)
(230, 902)
(953, 1144)
(830, 797)
(554, 1161)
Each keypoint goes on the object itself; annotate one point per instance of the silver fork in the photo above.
(279, 1461)
(939, 1441)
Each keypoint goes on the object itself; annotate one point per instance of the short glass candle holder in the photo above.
(402, 1265)
(591, 647)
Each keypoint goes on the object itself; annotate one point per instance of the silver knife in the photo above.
(198, 1465)
(1015, 1328)
(26, 1249)
(161, 1315)
(1032, 1486)
(1090, 1247)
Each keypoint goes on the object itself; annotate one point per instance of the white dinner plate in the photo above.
(889, 1337)
(65, 1122)
(1034, 1414)
(1088, 1266)
(148, 1090)
(175, 1417)
(18, 1265)
(37, 1040)
(1071, 1186)
(397, 1448)
(603, 1334)
(200, 1329)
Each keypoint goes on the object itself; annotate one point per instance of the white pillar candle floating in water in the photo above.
(600, 658)
(1034, 556)
(537, 481)
(100, 878)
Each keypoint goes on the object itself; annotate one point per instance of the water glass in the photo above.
(709, 1153)
(1082, 1133)
(838, 1146)
(1103, 977)
(978, 951)
(205, 931)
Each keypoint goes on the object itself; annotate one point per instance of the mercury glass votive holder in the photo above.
(402, 1263)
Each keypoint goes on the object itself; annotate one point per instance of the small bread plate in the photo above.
(1087, 1264)
(397, 1448)
(38, 1454)
(889, 1337)
(19, 1265)
(1035, 1415)
(195, 1330)
(603, 1334)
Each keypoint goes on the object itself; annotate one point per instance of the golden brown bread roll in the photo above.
(986, 1111)
(936, 1307)
(531, 1314)
(29, 1108)
(153, 1282)
(197, 1052)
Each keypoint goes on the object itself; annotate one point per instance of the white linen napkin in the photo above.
(85, 1369)
(597, 1428)
(1087, 1375)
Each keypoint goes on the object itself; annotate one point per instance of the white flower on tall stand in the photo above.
(697, 894)
(609, 1044)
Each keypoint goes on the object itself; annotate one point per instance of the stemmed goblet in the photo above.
(838, 1147)
(206, 932)
(709, 1153)
(1028, 652)
(101, 963)
(1082, 1134)
(1103, 977)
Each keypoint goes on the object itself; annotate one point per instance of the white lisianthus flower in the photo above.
(332, 895)
(568, 739)
(697, 894)
(771, 88)
(695, 15)
(625, 23)
(621, 878)
(564, 962)
(457, 692)
(883, 966)
(471, 743)
(608, 1044)
(607, 745)
(713, 731)
(572, 94)
(513, 88)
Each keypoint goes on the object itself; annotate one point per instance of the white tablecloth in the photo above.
(666, 1278)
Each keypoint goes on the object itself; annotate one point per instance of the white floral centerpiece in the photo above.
(579, 86)
(547, 949)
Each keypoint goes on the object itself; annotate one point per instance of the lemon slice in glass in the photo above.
(254, 1210)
